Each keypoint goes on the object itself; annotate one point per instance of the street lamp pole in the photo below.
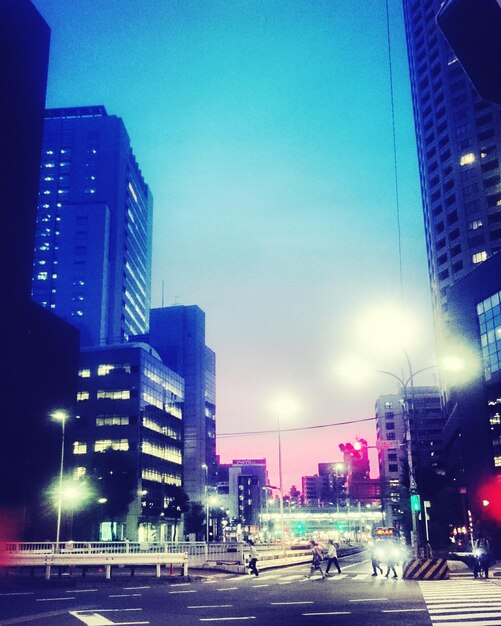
(407, 430)
(280, 483)
(62, 417)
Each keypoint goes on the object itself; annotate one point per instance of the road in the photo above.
(284, 595)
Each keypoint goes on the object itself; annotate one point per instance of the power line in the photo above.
(290, 430)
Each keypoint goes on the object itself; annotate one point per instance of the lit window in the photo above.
(497, 461)
(79, 472)
(90, 190)
(467, 159)
(54, 275)
(83, 395)
(42, 276)
(475, 225)
(119, 394)
(115, 444)
(132, 191)
(479, 257)
(46, 192)
(49, 152)
(84, 373)
(50, 165)
(79, 447)
(48, 178)
(103, 370)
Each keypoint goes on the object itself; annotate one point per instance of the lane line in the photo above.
(330, 613)
(81, 590)
(180, 584)
(227, 588)
(55, 599)
(256, 586)
(209, 606)
(224, 619)
(146, 587)
(125, 595)
(184, 591)
(401, 610)
(18, 593)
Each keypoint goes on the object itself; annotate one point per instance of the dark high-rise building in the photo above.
(39, 351)
(92, 262)
(459, 141)
(178, 334)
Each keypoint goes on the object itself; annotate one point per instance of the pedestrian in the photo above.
(332, 557)
(375, 549)
(316, 560)
(392, 559)
(252, 558)
(481, 551)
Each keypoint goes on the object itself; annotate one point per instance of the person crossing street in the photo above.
(332, 557)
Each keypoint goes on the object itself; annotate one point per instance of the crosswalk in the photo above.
(458, 602)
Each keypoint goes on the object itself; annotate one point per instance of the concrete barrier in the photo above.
(426, 569)
(106, 560)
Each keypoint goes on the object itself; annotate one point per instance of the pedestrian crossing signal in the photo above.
(415, 502)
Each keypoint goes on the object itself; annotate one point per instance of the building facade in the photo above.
(458, 139)
(472, 434)
(39, 351)
(130, 402)
(178, 334)
(425, 423)
(92, 262)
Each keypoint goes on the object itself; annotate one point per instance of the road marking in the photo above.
(54, 599)
(339, 577)
(370, 600)
(180, 584)
(401, 610)
(296, 602)
(224, 619)
(81, 590)
(125, 595)
(18, 593)
(330, 613)
(464, 617)
(460, 609)
(227, 588)
(292, 577)
(184, 591)
(256, 586)
(93, 617)
(146, 587)
(210, 606)
(209, 582)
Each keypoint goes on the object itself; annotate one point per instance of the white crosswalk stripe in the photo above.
(457, 602)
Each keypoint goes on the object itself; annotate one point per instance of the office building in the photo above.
(92, 263)
(458, 140)
(129, 401)
(39, 352)
(426, 422)
(178, 335)
(472, 433)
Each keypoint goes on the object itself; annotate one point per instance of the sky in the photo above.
(264, 130)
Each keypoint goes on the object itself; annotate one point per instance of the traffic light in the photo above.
(473, 30)
(355, 450)
(415, 502)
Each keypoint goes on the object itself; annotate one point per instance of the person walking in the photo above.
(392, 559)
(316, 560)
(375, 548)
(252, 558)
(332, 557)
(481, 552)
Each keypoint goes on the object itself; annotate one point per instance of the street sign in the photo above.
(384, 444)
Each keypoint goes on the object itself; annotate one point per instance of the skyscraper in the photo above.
(458, 140)
(178, 334)
(92, 262)
(39, 351)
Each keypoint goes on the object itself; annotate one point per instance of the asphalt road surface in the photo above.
(280, 596)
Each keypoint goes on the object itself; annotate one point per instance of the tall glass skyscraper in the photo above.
(92, 262)
(459, 142)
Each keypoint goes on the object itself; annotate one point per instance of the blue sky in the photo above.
(264, 131)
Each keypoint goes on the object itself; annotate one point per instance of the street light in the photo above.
(60, 416)
(283, 406)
